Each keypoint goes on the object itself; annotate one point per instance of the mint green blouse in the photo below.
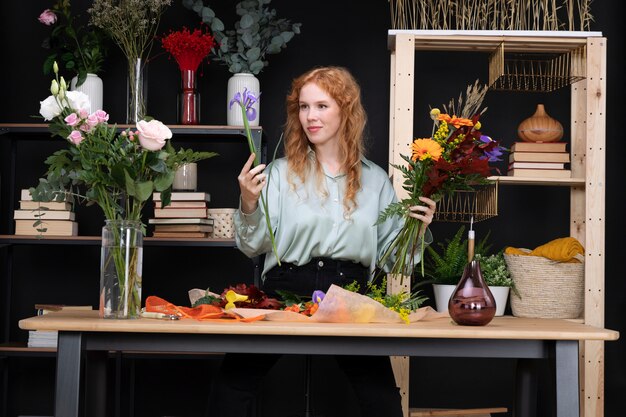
(309, 223)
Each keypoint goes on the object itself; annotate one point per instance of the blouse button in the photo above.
(320, 263)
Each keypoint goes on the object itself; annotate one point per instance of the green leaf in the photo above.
(163, 182)
(253, 54)
(256, 67)
(246, 21)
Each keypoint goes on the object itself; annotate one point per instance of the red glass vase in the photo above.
(189, 99)
(472, 303)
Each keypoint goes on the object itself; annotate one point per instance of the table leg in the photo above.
(67, 395)
(96, 383)
(525, 388)
(567, 390)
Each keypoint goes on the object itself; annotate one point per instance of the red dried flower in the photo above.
(188, 48)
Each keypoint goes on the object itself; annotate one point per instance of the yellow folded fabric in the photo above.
(564, 249)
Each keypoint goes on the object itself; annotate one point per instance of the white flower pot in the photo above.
(93, 88)
(236, 84)
(501, 294)
(443, 292)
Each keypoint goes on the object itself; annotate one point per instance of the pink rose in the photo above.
(153, 134)
(72, 119)
(47, 17)
(75, 137)
(84, 113)
(102, 116)
(92, 120)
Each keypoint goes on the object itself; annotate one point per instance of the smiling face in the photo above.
(319, 115)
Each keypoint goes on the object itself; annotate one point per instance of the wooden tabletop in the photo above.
(500, 328)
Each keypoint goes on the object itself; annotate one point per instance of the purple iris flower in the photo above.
(246, 100)
(495, 152)
(318, 296)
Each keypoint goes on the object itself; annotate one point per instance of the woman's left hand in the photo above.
(425, 213)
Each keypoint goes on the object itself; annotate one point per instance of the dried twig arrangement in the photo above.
(468, 107)
(491, 14)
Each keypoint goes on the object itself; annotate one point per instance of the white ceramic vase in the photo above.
(236, 84)
(501, 294)
(93, 88)
(442, 292)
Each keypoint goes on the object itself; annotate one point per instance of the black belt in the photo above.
(325, 263)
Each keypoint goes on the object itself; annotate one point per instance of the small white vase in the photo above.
(93, 87)
(442, 292)
(236, 84)
(501, 294)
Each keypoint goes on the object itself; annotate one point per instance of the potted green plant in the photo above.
(444, 263)
(76, 48)
(498, 278)
(244, 49)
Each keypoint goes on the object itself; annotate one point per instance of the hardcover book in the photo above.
(181, 221)
(541, 173)
(180, 212)
(539, 157)
(539, 147)
(47, 205)
(166, 235)
(44, 214)
(537, 165)
(185, 196)
(53, 228)
(204, 228)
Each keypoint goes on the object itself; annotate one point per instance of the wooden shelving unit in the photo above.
(587, 147)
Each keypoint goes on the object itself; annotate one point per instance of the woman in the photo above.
(324, 198)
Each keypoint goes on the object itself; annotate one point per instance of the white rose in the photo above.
(152, 134)
(49, 108)
(78, 100)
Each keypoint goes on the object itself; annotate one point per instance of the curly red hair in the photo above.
(338, 83)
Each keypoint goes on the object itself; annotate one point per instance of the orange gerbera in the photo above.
(455, 121)
(424, 149)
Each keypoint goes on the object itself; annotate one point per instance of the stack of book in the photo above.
(539, 160)
(57, 217)
(185, 217)
(48, 338)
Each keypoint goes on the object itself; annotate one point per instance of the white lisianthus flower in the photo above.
(49, 108)
(153, 134)
(78, 100)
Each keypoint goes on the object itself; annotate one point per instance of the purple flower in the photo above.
(318, 296)
(246, 101)
(491, 150)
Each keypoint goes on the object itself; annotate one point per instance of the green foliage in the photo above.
(446, 265)
(76, 48)
(257, 33)
(495, 271)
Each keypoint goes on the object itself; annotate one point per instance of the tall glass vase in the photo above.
(136, 91)
(472, 303)
(120, 269)
(189, 99)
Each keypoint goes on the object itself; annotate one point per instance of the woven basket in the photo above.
(548, 289)
(223, 226)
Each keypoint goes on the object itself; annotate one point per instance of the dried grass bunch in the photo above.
(491, 14)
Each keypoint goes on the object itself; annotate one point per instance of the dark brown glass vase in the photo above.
(472, 304)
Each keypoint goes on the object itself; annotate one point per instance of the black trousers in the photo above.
(240, 375)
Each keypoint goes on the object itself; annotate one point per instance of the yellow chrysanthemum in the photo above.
(425, 149)
(455, 121)
(434, 113)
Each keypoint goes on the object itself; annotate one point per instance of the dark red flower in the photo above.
(188, 48)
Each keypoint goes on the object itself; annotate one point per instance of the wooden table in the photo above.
(504, 337)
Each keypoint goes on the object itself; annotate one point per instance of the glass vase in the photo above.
(472, 303)
(120, 269)
(188, 99)
(136, 91)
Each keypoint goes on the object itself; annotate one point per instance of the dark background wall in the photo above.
(352, 34)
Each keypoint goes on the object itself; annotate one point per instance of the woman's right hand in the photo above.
(251, 182)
